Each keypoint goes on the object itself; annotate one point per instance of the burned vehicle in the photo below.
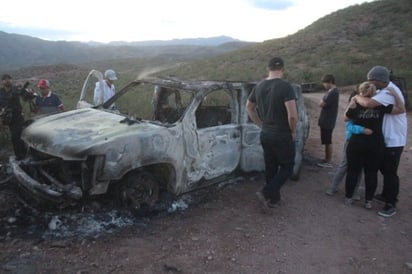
(128, 151)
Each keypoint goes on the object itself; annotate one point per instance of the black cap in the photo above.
(5, 76)
(276, 63)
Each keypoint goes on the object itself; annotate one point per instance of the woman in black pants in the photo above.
(366, 151)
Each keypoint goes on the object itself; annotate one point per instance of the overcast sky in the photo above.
(142, 20)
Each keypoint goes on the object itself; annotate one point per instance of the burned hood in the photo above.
(71, 134)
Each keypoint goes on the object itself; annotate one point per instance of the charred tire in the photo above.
(138, 190)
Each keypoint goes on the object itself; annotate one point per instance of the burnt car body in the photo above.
(92, 150)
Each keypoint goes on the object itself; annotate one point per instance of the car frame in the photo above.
(93, 150)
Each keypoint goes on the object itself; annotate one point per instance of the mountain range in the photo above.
(18, 51)
(346, 43)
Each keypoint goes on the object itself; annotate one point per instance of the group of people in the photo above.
(376, 129)
(42, 102)
(12, 116)
(46, 102)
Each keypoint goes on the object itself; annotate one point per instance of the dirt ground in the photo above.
(226, 232)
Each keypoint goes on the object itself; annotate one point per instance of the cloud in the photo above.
(271, 5)
(105, 21)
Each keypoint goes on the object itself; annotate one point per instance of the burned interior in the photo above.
(197, 134)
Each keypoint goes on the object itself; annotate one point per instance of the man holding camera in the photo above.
(11, 112)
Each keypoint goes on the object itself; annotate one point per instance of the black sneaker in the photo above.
(387, 211)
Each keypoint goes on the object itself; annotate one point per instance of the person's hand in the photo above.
(29, 90)
(293, 135)
(321, 103)
(352, 102)
(368, 131)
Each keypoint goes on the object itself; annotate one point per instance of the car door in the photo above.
(216, 136)
(86, 95)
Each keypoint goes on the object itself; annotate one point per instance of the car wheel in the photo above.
(138, 190)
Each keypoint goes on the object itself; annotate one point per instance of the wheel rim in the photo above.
(139, 190)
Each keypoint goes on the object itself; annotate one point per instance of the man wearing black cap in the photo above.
(394, 130)
(11, 113)
(272, 106)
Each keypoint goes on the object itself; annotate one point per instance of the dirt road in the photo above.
(225, 232)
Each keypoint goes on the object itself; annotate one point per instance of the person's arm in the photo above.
(251, 109)
(322, 103)
(357, 129)
(59, 104)
(399, 106)
(351, 105)
(366, 101)
(292, 116)
(33, 105)
(330, 100)
(25, 92)
(108, 92)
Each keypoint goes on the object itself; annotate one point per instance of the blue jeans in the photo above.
(279, 155)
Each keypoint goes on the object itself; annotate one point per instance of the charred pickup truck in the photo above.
(197, 134)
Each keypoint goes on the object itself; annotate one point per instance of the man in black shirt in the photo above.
(272, 106)
(327, 118)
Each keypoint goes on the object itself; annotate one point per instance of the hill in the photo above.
(213, 41)
(346, 43)
(17, 51)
